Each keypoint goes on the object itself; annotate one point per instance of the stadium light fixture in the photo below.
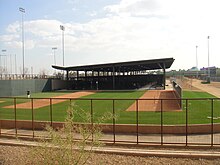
(22, 10)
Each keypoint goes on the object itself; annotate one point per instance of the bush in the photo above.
(72, 144)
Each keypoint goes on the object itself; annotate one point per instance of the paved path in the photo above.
(206, 87)
(134, 151)
(196, 139)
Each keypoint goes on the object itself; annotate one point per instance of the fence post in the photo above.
(161, 121)
(212, 137)
(51, 115)
(137, 120)
(15, 110)
(32, 110)
(113, 111)
(0, 124)
(186, 122)
(91, 111)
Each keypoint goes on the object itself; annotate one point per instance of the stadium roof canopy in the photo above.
(163, 63)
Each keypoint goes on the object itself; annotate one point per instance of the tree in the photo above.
(43, 73)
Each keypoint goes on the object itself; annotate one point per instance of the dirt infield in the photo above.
(155, 105)
(39, 103)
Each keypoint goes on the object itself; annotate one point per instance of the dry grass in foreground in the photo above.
(12, 155)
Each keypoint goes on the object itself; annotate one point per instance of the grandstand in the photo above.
(117, 76)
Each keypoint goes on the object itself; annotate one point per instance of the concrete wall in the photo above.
(59, 84)
(20, 87)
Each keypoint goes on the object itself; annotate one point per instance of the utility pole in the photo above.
(4, 68)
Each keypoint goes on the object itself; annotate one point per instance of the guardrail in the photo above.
(198, 123)
(4, 76)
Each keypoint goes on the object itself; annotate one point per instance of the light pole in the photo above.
(208, 79)
(54, 49)
(197, 73)
(2, 64)
(5, 61)
(63, 29)
(15, 65)
(10, 64)
(22, 10)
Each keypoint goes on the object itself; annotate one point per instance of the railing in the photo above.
(198, 123)
(178, 91)
(26, 76)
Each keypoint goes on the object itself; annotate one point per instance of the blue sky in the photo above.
(102, 31)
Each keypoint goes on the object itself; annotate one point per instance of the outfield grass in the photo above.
(59, 110)
(199, 111)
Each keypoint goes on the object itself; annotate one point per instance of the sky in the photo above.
(106, 31)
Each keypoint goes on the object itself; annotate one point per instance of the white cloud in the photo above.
(134, 29)
(13, 44)
(29, 44)
(14, 27)
(9, 37)
(42, 28)
(134, 8)
(92, 14)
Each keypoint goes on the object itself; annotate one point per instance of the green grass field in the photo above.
(199, 111)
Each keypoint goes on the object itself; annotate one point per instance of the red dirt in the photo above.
(155, 105)
(38, 103)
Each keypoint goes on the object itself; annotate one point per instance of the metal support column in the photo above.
(67, 75)
(119, 77)
(113, 77)
(77, 75)
(164, 76)
(97, 82)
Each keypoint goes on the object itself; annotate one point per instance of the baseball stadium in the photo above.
(143, 104)
(110, 82)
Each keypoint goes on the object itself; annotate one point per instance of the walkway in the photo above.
(134, 151)
(195, 139)
(210, 88)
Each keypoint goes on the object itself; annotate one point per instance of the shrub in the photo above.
(72, 144)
